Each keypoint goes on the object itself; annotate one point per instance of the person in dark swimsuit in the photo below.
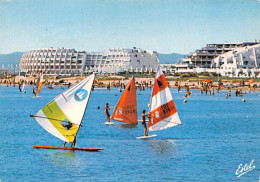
(106, 112)
(33, 91)
(73, 144)
(144, 124)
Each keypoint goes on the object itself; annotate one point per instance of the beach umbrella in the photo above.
(207, 81)
(250, 81)
(223, 81)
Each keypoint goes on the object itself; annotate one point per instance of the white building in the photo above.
(240, 62)
(56, 61)
(53, 61)
(167, 68)
(230, 59)
(122, 60)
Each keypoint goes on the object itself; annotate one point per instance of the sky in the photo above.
(165, 26)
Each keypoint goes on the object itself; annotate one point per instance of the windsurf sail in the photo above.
(62, 117)
(24, 83)
(39, 83)
(126, 109)
(163, 111)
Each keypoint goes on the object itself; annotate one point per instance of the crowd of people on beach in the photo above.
(205, 87)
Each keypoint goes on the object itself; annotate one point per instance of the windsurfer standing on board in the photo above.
(106, 112)
(143, 122)
(73, 144)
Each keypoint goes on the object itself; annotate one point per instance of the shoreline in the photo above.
(120, 81)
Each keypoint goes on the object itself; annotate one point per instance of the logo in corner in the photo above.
(80, 95)
(241, 170)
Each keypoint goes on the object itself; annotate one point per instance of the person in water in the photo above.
(107, 112)
(144, 124)
(33, 91)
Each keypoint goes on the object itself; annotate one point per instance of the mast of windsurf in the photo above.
(85, 107)
(152, 91)
(151, 98)
(162, 108)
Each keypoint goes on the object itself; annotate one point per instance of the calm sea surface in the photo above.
(217, 135)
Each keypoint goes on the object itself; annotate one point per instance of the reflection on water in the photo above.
(62, 157)
(164, 147)
(126, 125)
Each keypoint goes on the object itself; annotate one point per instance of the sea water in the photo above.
(217, 137)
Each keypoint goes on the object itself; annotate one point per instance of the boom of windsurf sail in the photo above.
(163, 111)
(62, 117)
(126, 108)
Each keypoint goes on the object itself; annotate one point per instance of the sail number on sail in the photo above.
(168, 107)
(165, 111)
(128, 109)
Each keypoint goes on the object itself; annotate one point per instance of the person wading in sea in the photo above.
(33, 91)
(106, 112)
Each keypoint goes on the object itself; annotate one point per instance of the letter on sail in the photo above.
(163, 111)
(63, 115)
(126, 109)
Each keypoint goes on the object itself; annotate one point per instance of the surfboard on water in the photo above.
(37, 96)
(68, 148)
(144, 137)
(109, 123)
(62, 117)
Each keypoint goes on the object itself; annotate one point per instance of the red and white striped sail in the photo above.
(163, 111)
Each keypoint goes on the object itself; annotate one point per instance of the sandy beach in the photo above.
(120, 81)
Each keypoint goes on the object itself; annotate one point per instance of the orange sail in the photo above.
(126, 109)
(39, 83)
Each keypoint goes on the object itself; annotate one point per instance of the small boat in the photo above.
(63, 116)
(51, 86)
